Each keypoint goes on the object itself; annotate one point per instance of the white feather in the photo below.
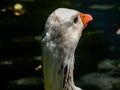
(59, 42)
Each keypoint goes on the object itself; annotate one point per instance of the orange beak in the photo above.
(85, 18)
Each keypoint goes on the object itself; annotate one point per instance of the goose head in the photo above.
(64, 26)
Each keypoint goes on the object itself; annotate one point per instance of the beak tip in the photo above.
(91, 18)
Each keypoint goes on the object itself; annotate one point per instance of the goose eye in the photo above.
(75, 20)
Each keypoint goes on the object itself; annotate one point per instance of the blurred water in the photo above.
(106, 16)
(20, 39)
(100, 41)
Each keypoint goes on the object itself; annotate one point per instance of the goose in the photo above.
(62, 32)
